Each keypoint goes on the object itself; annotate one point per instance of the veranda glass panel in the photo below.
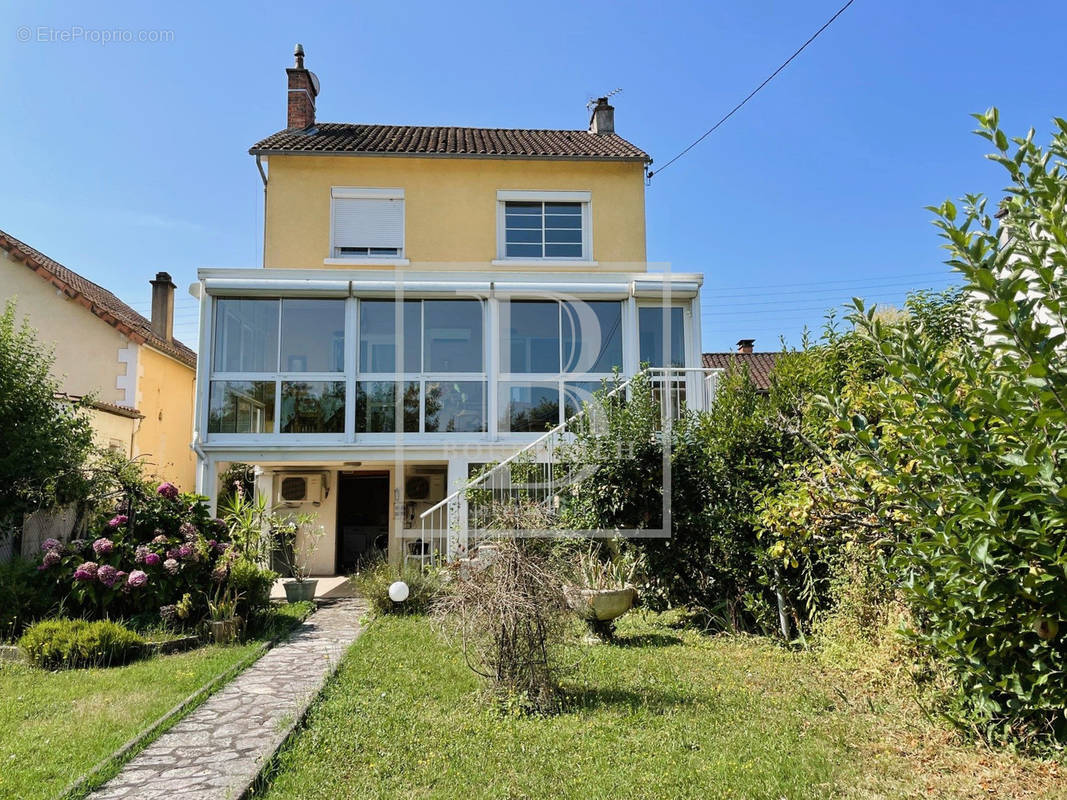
(592, 335)
(455, 407)
(313, 335)
(376, 403)
(241, 407)
(528, 407)
(452, 336)
(246, 335)
(577, 393)
(377, 336)
(313, 407)
(530, 336)
(655, 340)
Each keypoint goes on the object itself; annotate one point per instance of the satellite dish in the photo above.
(314, 81)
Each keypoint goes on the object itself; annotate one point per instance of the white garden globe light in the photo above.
(398, 592)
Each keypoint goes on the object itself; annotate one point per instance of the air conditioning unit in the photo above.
(425, 484)
(304, 487)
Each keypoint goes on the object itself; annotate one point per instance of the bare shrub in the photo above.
(510, 617)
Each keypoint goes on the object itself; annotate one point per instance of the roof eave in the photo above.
(256, 151)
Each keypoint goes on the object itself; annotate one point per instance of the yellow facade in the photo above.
(93, 358)
(165, 396)
(86, 348)
(450, 206)
(113, 431)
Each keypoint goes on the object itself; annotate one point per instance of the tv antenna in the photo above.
(593, 100)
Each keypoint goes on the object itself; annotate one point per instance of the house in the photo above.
(759, 365)
(140, 377)
(431, 299)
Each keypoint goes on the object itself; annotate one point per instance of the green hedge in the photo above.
(70, 643)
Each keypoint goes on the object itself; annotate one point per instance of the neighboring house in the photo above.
(431, 300)
(140, 377)
(759, 365)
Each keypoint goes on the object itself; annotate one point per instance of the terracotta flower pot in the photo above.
(296, 591)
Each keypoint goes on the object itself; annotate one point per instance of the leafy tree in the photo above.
(46, 439)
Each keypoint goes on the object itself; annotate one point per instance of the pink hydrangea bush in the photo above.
(150, 551)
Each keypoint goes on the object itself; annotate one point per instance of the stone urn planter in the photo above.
(224, 631)
(297, 590)
(601, 607)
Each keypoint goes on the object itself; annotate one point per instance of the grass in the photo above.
(55, 726)
(665, 714)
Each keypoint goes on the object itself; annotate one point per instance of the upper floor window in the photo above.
(367, 223)
(549, 226)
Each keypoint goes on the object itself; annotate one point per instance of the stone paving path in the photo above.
(216, 751)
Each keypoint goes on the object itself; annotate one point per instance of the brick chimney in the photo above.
(303, 89)
(603, 119)
(745, 345)
(163, 306)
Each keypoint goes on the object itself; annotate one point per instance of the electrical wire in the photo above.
(755, 91)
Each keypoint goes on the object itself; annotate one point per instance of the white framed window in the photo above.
(366, 223)
(544, 226)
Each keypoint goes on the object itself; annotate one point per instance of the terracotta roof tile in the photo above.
(96, 298)
(335, 137)
(759, 365)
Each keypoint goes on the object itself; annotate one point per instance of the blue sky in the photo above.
(122, 159)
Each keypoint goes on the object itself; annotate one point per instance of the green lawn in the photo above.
(666, 714)
(670, 714)
(55, 726)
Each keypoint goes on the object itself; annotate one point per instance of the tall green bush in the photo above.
(46, 439)
(712, 559)
(971, 447)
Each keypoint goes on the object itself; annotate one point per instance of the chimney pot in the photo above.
(745, 345)
(603, 120)
(303, 89)
(163, 306)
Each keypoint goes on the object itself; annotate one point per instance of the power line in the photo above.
(894, 290)
(755, 91)
(851, 281)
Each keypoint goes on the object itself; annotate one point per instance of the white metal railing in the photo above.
(520, 492)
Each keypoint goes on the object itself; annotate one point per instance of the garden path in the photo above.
(218, 750)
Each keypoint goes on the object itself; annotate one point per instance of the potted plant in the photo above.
(604, 590)
(296, 539)
(223, 621)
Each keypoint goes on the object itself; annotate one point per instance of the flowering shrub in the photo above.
(159, 549)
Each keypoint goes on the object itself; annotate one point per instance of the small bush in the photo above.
(373, 583)
(252, 584)
(24, 598)
(70, 643)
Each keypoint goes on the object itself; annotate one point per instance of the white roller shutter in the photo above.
(368, 221)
